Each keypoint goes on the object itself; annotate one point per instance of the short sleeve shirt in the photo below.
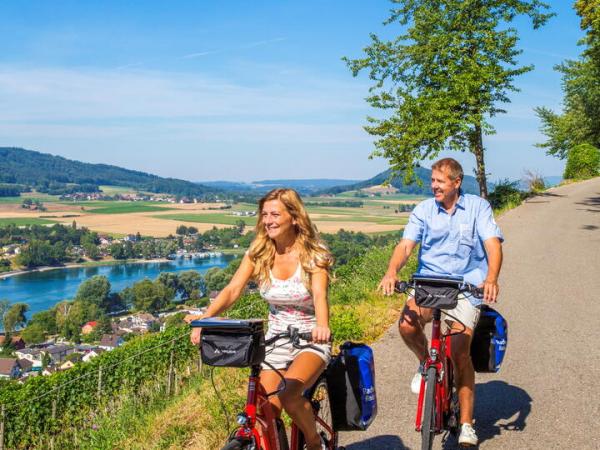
(452, 244)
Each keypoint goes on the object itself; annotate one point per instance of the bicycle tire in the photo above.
(318, 395)
(236, 444)
(429, 410)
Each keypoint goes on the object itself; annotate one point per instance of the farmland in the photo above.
(376, 214)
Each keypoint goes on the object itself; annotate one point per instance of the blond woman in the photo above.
(291, 266)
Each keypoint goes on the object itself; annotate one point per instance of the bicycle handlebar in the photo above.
(402, 286)
(294, 337)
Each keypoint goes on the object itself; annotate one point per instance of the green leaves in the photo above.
(444, 78)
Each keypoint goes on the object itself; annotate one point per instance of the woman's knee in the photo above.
(291, 394)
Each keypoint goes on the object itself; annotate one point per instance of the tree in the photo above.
(15, 317)
(33, 334)
(181, 230)
(443, 79)
(579, 122)
(189, 284)
(94, 290)
(4, 307)
(583, 162)
(150, 296)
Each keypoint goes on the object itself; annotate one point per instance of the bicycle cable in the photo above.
(221, 402)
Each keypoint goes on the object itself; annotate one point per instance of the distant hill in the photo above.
(306, 186)
(58, 175)
(469, 184)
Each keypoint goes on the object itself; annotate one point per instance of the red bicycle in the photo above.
(258, 410)
(437, 407)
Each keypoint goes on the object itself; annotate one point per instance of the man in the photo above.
(457, 236)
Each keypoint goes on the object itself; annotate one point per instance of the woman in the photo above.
(291, 266)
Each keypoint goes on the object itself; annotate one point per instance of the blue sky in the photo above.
(231, 90)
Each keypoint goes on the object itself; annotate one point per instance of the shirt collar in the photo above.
(459, 204)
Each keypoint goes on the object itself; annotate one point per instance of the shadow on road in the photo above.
(593, 202)
(499, 401)
(385, 442)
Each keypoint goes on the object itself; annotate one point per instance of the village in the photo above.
(58, 354)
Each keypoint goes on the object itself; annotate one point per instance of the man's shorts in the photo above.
(282, 353)
(464, 311)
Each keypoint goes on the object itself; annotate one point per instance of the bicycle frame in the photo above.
(439, 357)
(258, 410)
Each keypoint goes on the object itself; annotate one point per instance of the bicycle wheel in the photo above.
(318, 395)
(429, 410)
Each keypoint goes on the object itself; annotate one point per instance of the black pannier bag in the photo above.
(490, 339)
(242, 345)
(351, 384)
(436, 294)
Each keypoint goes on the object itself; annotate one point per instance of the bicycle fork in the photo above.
(434, 359)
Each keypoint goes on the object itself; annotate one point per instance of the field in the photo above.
(20, 221)
(377, 215)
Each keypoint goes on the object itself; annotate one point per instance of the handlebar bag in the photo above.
(351, 384)
(233, 347)
(490, 339)
(436, 295)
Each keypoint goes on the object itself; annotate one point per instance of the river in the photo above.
(42, 290)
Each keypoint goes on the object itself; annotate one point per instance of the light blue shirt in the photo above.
(452, 244)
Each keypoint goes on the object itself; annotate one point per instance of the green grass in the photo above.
(113, 190)
(119, 207)
(20, 221)
(217, 218)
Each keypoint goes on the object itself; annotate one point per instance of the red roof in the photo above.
(92, 323)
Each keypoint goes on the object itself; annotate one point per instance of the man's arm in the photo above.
(493, 249)
(399, 257)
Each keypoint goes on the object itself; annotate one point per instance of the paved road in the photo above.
(547, 395)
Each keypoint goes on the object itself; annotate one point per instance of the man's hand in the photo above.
(388, 283)
(490, 291)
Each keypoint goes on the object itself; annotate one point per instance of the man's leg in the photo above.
(411, 325)
(464, 372)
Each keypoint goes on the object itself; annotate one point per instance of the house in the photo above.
(92, 354)
(58, 352)
(111, 341)
(9, 368)
(49, 371)
(32, 354)
(16, 341)
(26, 366)
(67, 365)
(88, 327)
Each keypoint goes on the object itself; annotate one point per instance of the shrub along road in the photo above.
(546, 394)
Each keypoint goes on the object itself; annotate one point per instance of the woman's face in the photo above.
(278, 222)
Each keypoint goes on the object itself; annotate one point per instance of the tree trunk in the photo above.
(477, 150)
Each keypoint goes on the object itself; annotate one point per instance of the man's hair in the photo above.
(455, 170)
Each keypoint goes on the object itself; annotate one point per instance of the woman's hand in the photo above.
(321, 335)
(195, 336)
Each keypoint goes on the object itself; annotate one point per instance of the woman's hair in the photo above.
(313, 253)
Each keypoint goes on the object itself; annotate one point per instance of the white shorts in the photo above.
(464, 311)
(282, 353)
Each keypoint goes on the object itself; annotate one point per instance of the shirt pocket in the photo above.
(466, 241)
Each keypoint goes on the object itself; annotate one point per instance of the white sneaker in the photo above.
(467, 437)
(415, 384)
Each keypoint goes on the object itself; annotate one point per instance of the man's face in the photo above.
(444, 189)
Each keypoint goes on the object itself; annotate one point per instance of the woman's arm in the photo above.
(226, 297)
(321, 333)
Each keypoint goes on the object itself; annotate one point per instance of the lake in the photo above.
(42, 290)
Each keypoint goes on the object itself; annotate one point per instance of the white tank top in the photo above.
(290, 303)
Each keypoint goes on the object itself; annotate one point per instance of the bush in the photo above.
(535, 182)
(506, 194)
(583, 161)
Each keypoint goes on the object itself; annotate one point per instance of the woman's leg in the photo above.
(271, 381)
(302, 374)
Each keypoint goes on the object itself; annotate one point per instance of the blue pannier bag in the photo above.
(351, 384)
(490, 339)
